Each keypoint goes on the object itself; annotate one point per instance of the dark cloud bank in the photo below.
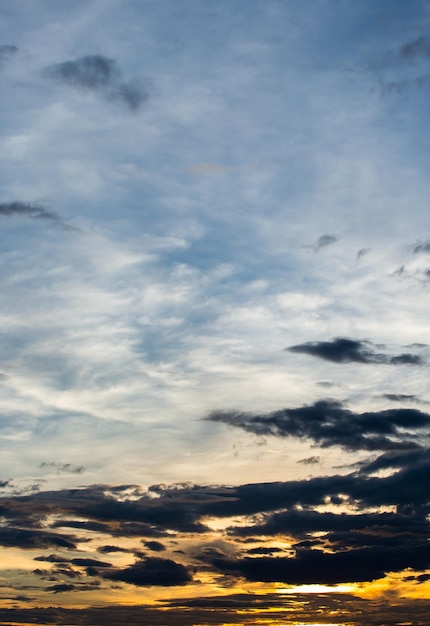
(375, 525)
(101, 75)
(329, 423)
(341, 528)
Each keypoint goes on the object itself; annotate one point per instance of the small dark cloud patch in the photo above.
(310, 460)
(345, 350)
(155, 546)
(7, 51)
(99, 74)
(329, 423)
(33, 211)
(52, 558)
(153, 571)
(61, 588)
(415, 49)
(361, 253)
(89, 563)
(263, 550)
(323, 242)
(422, 247)
(63, 467)
(406, 359)
(111, 549)
(422, 578)
(400, 397)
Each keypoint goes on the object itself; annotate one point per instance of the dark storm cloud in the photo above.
(153, 571)
(328, 423)
(33, 211)
(99, 74)
(344, 350)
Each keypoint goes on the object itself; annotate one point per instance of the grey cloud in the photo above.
(51, 558)
(397, 87)
(311, 566)
(328, 423)
(61, 588)
(417, 48)
(310, 460)
(361, 253)
(153, 571)
(155, 546)
(400, 397)
(34, 539)
(344, 350)
(7, 51)
(422, 246)
(99, 74)
(83, 562)
(324, 241)
(63, 467)
(109, 549)
(33, 211)
(222, 610)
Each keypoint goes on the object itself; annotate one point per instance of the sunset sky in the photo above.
(214, 312)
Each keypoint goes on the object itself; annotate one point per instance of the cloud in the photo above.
(422, 247)
(344, 350)
(323, 242)
(317, 567)
(34, 539)
(63, 467)
(417, 48)
(99, 74)
(400, 397)
(90, 563)
(33, 211)
(153, 571)
(61, 588)
(310, 460)
(328, 423)
(155, 546)
(7, 51)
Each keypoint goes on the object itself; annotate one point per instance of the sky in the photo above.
(214, 338)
